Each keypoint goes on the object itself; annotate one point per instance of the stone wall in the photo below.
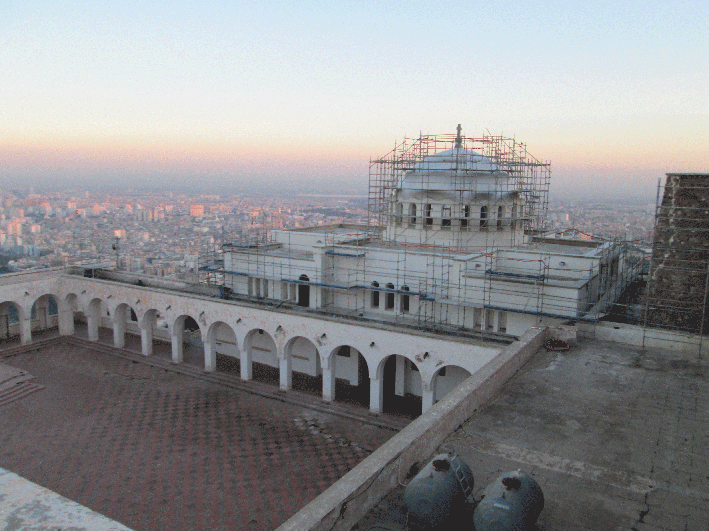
(680, 257)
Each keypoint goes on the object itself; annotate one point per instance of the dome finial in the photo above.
(458, 138)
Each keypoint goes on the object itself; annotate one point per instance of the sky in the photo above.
(229, 94)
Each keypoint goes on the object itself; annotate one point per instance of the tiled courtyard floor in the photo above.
(154, 449)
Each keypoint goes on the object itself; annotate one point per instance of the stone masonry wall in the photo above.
(680, 257)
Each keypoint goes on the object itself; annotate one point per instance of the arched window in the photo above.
(405, 300)
(466, 217)
(500, 216)
(412, 214)
(427, 214)
(445, 217)
(399, 213)
(483, 218)
(304, 292)
(390, 297)
(375, 294)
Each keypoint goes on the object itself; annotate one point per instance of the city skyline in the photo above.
(223, 96)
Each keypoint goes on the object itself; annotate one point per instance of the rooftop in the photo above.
(615, 436)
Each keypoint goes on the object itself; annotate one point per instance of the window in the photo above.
(466, 217)
(405, 300)
(390, 297)
(304, 292)
(412, 214)
(500, 216)
(375, 295)
(483, 218)
(445, 217)
(427, 215)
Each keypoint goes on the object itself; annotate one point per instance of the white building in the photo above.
(454, 266)
(456, 245)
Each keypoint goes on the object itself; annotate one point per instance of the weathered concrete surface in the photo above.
(25, 505)
(616, 438)
(345, 502)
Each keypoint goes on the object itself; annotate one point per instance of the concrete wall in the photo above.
(103, 302)
(350, 498)
(651, 337)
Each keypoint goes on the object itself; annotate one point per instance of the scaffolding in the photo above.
(494, 154)
(377, 271)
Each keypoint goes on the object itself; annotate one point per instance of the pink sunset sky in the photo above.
(202, 93)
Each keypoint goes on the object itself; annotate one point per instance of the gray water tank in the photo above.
(436, 498)
(512, 502)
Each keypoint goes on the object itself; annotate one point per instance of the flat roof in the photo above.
(615, 436)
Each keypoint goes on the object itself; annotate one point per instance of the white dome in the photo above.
(449, 169)
(457, 160)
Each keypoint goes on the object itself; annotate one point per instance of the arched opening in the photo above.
(412, 214)
(95, 314)
(264, 357)
(427, 215)
(305, 365)
(304, 292)
(155, 338)
(446, 379)
(126, 332)
(446, 217)
(351, 375)
(401, 387)
(222, 343)
(190, 324)
(10, 314)
(500, 216)
(399, 213)
(375, 294)
(405, 300)
(483, 218)
(44, 316)
(390, 297)
(187, 344)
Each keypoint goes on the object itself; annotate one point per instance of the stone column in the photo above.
(328, 380)
(376, 395)
(25, 330)
(427, 397)
(92, 322)
(210, 355)
(245, 362)
(285, 365)
(178, 352)
(119, 330)
(146, 339)
(66, 322)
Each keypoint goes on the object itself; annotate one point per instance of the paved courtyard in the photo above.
(616, 437)
(155, 449)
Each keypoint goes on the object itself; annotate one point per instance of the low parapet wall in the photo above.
(349, 499)
(650, 337)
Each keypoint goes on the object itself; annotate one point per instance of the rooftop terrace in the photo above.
(615, 436)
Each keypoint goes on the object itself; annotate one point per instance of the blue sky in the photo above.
(614, 95)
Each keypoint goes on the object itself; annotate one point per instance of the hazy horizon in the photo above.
(219, 95)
